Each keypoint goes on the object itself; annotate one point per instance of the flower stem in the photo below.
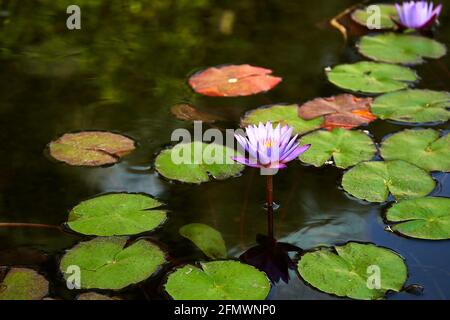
(27, 225)
(269, 190)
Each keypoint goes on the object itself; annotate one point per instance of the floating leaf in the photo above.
(91, 148)
(187, 112)
(349, 270)
(387, 14)
(208, 239)
(23, 284)
(423, 218)
(218, 280)
(413, 106)
(373, 181)
(345, 110)
(116, 214)
(94, 296)
(195, 162)
(346, 147)
(283, 114)
(400, 48)
(107, 263)
(233, 81)
(423, 148)
(371, 77)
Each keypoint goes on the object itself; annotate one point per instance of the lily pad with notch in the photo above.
(371, 77)
(218, 280)
(117, 214)
(195, 162)
(413, 106)
(387, 14)
(91, 148)
(374, 180)
(423, 218)
(283, 114)
(345, 271)
(233, 81)
(346, 147)
(206, 238)
(400, 48)
(341, 111)
(23, 284)
(424, 148)
(109, 263)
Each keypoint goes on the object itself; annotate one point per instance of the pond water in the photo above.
(124, 70)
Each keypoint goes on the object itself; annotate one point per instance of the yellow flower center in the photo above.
(268, 143)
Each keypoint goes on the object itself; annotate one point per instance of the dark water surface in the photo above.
(124, 70)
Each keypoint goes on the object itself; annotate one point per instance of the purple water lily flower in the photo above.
(417, 14)
(268, 147)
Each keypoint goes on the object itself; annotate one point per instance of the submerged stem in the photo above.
(27, 225)
(269, 190)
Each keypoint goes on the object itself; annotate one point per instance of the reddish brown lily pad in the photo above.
(342, 111)
(91, 148)
(184, 111)
(233, 81)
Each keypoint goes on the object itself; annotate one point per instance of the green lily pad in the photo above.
(423, 148)
(387, 13)
(413, 106)
(351, 270)
(206, 238)
(91, 148)
(283, 114)
(423, 218)
(346, 147)
(371, 77)
(23, 284)
(400, 48)
(218, 280)
(195, 162)
(107, 263)
(373, 181)
(116, 214)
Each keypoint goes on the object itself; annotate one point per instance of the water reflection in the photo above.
(126, 68)
(272, 257)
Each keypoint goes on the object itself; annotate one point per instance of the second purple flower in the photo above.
(417, 14)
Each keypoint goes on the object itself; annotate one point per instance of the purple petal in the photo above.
(284, 139)
(289, 152)
(242, 141)
(278, 165)
(298, 151)
(399, 12)
(261, 155)
(247, 162)
(438, 10)
(289, 145)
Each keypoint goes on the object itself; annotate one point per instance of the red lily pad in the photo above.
(233, 81)
(91, 148)
(342, 111)
(184, 111)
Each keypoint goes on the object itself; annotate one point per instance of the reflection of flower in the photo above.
(271, 257)
(417, 14)
(268, 147)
